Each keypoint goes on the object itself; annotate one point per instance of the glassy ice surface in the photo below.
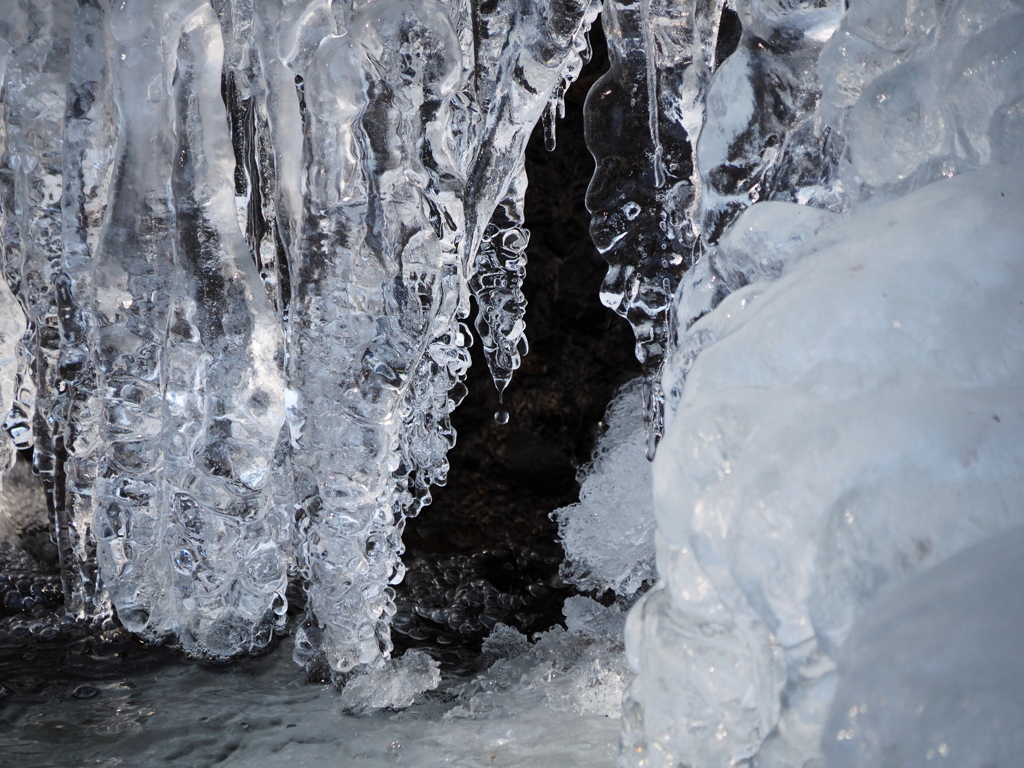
(851, 425)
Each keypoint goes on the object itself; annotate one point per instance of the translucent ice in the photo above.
(932, 671)
(580, 670)
(34, 37)
(244, 237)
(640, 115)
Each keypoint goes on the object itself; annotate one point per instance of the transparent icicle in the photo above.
(640, 129)
(186, 354)
(761, 139)
(89, 133)
(31, 181)
(516, 86)
(270, 212)
(15, 384)
(520, 56)
(497, 283)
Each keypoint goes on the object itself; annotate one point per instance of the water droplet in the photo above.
(501, 417)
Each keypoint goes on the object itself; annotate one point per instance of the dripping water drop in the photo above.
(501, 417)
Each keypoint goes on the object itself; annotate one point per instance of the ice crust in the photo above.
(580, 669)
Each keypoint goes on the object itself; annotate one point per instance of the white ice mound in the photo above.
(855, 422)
(608, 535)
(933, 673)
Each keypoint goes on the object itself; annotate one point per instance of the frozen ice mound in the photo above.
(932, 673)
(856, 422)
(580, 670)
(608, 535)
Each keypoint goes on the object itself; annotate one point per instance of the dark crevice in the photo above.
(486, 550)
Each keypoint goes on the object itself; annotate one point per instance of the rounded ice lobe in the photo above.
(856, 424)
(897, 125)
(932, 672)
(608, 535)
(336, 79)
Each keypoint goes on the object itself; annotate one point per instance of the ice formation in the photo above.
(615, 495)
(843, 378)
(932, 672)
(240, 239)
(243, 237)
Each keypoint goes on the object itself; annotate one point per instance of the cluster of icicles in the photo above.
(240, 239)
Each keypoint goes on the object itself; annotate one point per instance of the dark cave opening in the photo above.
(486, 550)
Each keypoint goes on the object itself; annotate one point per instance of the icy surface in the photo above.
(856, 422)
(239, 244)
(615, 495)
(579, 670)
(932, 673)
(262, 713)
(844, 361)
(641, 116)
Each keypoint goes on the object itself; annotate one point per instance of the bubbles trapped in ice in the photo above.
(245, 252)
(201, 207)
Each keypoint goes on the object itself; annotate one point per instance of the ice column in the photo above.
(186, 354)
(35, 36)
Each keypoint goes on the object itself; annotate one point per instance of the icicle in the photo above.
(650, 56)
(638, 219)
(548, 120)
(184, 354)
(89, 132)
(497, 285)
(16, 390)
(269, 212)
